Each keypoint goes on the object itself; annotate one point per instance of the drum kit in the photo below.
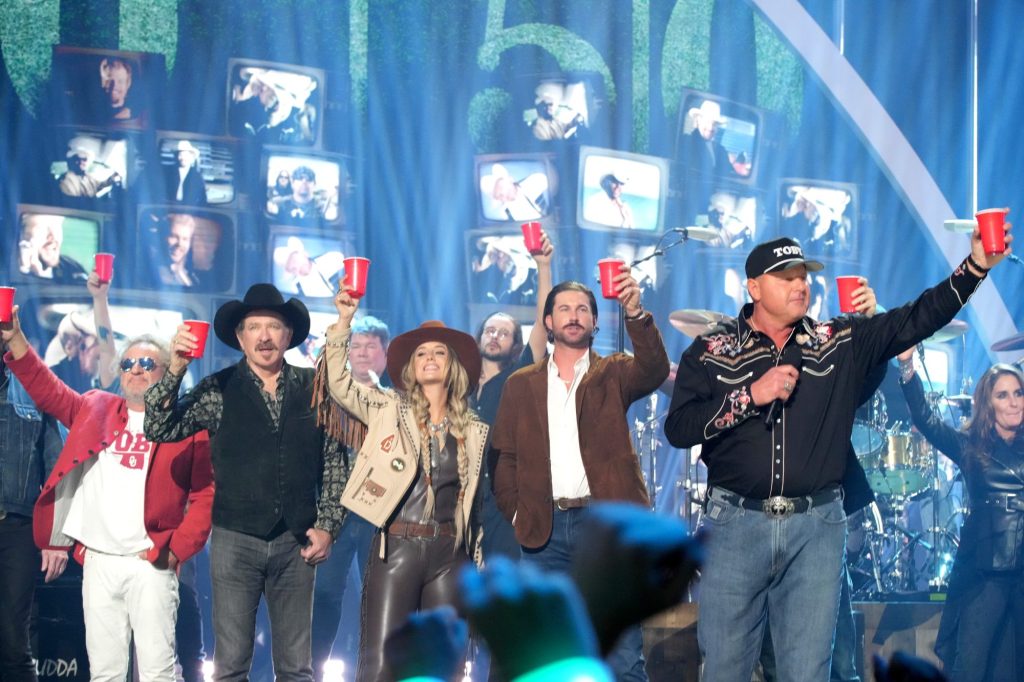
(914, 486)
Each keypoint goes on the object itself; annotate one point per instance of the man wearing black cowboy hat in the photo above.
(278, 477)
(771, 397)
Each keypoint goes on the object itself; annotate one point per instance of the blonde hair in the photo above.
(460, 416)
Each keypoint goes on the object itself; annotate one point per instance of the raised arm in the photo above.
(948, 440)
(538, 335)
(49, 393)
(169, 417)
(649, 366)
(104, 329)
(358, 400)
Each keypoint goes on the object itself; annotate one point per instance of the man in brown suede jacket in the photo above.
(562, 436)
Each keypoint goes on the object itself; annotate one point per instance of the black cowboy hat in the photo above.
(261, 296)
(403, 346)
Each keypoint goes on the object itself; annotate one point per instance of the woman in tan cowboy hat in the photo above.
(415, 475)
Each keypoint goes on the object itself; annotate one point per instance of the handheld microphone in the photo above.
(791, 355)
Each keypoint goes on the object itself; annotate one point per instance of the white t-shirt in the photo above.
(107, 508)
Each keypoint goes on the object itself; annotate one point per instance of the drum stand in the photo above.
(647, 443)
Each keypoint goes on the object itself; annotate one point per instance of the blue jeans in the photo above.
(353, 544)
(244, 568)
(758, 569)
(844, 648)
(627, 658)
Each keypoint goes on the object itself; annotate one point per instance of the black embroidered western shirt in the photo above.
(804, 449)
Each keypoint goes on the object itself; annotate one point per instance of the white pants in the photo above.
(122, 595)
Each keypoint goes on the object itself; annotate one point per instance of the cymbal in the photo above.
(700, 234)
(960, 398)
(693, 323)
(1015, 342)
(954, 330)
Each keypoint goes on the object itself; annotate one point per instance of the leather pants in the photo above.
(417, 574)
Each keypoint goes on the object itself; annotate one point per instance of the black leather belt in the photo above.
(422, 530)
(779, 507)
(567, 503)
(1005, 501)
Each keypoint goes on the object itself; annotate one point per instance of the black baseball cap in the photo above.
(776, 256)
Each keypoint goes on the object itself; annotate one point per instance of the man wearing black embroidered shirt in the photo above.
(774, 506)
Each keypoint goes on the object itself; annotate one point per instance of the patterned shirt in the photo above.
(202, 408)
(802, 448)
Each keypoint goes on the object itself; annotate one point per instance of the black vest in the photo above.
(262, 475)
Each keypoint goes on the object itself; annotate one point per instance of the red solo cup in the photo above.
(610, 268)
(990, 224)
(200, 330)
(354, 283)
(531, 237)
(105, 267)
(6, 303)
(846, 285)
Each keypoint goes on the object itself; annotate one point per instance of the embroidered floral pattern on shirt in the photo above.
(722, 344)
(823, 332)
(737, 402)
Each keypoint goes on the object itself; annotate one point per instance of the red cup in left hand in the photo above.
(610, 268)
(993, 234)
(356, 269)
(105, 267)
(846, 285)
(6, 304)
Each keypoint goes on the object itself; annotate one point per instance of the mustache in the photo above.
(266, 345)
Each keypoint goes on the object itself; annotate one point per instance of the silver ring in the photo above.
(787, 386)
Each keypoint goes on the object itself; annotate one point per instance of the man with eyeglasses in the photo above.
(502, 352)
(131, 509)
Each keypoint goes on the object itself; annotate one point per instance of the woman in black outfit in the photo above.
(985, 607)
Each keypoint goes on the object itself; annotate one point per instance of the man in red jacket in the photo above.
(121, 502)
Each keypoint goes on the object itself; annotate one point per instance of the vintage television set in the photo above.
(306, 353)
(734, 218)
(47, 316)
(52, 245)
(109, 88)
(559, 107)
(515, 188)
(93, 164)
(197, 170)
(821, 214)
(621, 191)
(500, 271)
(187, 248)
(717, 137)
(308, 263)
(275, 103)
(306, 188)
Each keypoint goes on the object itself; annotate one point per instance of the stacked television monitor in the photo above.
(192, 216)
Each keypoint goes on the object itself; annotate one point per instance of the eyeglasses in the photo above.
(147, 364)
(499, 333)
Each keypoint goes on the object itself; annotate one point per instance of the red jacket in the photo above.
(179, 474)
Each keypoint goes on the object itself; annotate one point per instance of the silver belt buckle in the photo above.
(779, 507)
